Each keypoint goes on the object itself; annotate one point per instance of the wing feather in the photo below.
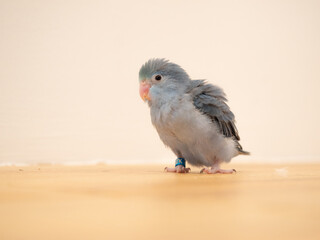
(211, 101)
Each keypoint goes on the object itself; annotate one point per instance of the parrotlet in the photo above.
(191, 117)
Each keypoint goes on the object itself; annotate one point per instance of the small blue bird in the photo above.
(190, 116)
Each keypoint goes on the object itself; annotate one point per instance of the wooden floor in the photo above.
(142, 202)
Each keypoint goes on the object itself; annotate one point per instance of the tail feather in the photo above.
(240, 150)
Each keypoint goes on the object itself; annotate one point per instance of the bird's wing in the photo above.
(211, 101)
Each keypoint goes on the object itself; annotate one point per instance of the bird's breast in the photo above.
(162, 114)
(172, 114)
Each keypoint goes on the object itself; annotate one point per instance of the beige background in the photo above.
(69, 75)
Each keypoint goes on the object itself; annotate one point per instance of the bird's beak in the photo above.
(144, 90)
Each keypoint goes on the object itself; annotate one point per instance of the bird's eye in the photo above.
(158, 77)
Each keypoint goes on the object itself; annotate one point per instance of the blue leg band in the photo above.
(180, 161)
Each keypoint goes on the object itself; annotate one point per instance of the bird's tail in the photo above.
(240, 150)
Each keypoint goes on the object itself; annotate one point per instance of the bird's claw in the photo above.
(177, 169)
(214, 170)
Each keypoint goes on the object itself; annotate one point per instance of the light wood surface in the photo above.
(143, 202)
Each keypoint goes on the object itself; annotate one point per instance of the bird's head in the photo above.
(159, 75)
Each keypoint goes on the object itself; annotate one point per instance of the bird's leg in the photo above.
(216, 169)
(180, 167)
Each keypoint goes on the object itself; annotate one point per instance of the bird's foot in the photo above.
(180, 166)
(214, 170)
(177, 169)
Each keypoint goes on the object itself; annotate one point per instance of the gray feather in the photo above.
(163, 67)
(211, 101)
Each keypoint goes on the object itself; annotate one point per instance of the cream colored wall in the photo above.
(69, 75)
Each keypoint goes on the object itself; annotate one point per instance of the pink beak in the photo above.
(144, 91)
